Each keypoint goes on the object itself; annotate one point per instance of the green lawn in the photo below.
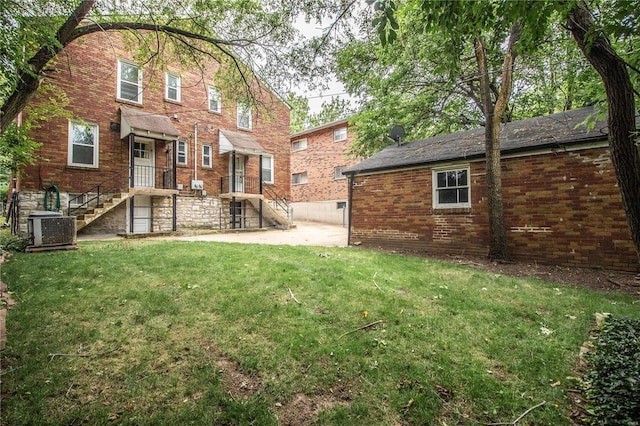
(169, 332)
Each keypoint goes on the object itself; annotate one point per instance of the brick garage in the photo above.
(562, 204)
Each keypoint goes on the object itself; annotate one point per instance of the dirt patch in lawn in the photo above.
(302, 409)
(594, 279)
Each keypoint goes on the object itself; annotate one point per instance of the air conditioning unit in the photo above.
(51, 231)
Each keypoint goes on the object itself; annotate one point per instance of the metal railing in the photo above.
(115, 184)
(136, 177)
(279, 203)
(242, 184)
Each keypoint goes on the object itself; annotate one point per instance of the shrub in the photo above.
(10, 242)
(613, 381)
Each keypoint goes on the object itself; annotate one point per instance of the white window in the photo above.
(337, 173)
(129, 82)
(172, 92)
(83, 144)
(215, 103)
(244, 116)
(299, 145)
(181, 156)
(340, 134)
(451, 188)
(267, 169)
(299, 178)
(206, 155)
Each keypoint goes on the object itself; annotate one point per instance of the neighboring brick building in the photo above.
(561, 200)
(318, 188)
(177, 151)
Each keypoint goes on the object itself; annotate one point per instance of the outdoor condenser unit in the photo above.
(51, 231)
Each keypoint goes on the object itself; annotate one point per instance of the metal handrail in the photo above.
(280, 203)
(100, 191)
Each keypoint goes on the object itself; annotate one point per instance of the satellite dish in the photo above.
(397, 133)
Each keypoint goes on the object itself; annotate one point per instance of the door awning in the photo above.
(239, 142)
(145, 124)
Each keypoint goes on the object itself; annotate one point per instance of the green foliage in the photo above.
(614, 377)
(9, 242)
(17, 148)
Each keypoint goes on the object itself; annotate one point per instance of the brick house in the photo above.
(319, 190)
(561, 200)
(153, 148)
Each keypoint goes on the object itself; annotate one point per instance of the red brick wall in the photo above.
(87, 73)
(562, 208)
(319, 161)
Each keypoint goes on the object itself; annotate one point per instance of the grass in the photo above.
(169, 332)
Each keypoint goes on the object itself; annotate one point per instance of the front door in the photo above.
(143, 163)
(239, 176)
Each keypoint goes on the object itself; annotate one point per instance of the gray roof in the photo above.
(549, 131)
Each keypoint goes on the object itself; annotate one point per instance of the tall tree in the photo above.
(624, 141)
(481, 25)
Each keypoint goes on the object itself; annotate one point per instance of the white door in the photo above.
(143, 163)
(141, 214)
(239, 177)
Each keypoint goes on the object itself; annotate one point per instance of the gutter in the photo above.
(506, 151)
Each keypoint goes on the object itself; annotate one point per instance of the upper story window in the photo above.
(129, 82)
(451, 188)
(172, 91)
(207, 151)
(340, 134)
(299, 178)
(267, 169)
(83, 144)
(244, 116)
(337, 173)
(181, 155)
(299, 145)
(215, 103)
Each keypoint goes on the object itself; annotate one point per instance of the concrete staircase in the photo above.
(270, 213)
(90, 215)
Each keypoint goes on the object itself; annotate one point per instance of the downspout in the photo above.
(260, 186)
(195, 151)
(351, 183)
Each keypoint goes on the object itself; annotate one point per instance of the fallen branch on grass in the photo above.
(513, 423)
(293, 297)
(52, 356)
(375, 283)
(361, 328)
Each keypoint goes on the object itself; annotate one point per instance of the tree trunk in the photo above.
(29, 80)
(625, 155)
(498, 247)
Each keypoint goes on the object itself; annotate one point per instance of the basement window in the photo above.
(299, 178)
(451, 188)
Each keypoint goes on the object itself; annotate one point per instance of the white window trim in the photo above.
(341, 136)
(302, 175)
(96, 145)
(178, 87)
(270, 158)
(341, 177)
(244, 108)
(219, 98)
(434, 186)
(209, 156)
(302, 143)
(186, 153)
(119, 94)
